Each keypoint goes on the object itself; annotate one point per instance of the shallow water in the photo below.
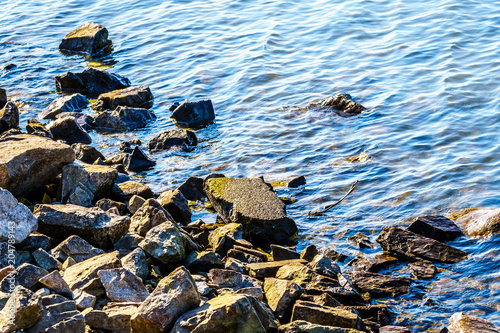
(428, 73)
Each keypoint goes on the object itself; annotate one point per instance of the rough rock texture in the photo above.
(126, 190)
(436, 227)
(26, 275)
(123, 119)
(165, 243)
(90, 82)
(203, 261)
(192, 189)
(380, 285)
(136, 263)
(96, 226)
(107, 204)
(87, 154)
(9, 117)
(224, 238)
(28, 162)
(122, 285)
(281, 294)
(46, 260)
(68, 130)
(55, 282)
(252, 203)
(90, 38)
(194, 114)
(481, 221)
(173, 138)
(344, 104)
(174, 295)
(134, 97)
(463, 323)
(148, 216)
(34, 127)
(302, 326)
(176, 204)
(372, 263)
(324, 315)
(138, 161)
(323, 265)
(422, 270)
(283, 253)
(70, 103)
(17, 220)
(269, 269)
(407, 244)
(114, 317)
(233, 313)
(76, 248)
(27, 310)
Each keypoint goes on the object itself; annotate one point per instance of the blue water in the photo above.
(428, 72)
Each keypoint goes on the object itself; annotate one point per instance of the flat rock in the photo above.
(302, 326)
(176, 204)
(280, 295)
(114, 317)
(224, 238)
(224, 278)
(26, 275)
(437, 227)
(28, 162)
(9, 117)
(282, 253)
(269, 269)
(126, 190)
(380, 285)
(194, 114)
(75, 247)
(344, 104)
(252, 203)
(26, 308)
(69, 103)
(134, 97)
(90, 82)
(323, 315)
(177, 138)
(463, 323)
(122, 285)
(17, 220)
(148, 216)
(87, 154)
(135, 203)
(84, 300)
(481, 221)
(136, 263)
(129, 242)
(410, 245)
(90, 38)
(46, 260)
(372, 263)
(165, 243)
(122, 119)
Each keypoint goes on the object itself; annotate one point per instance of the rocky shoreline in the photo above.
(86, 249)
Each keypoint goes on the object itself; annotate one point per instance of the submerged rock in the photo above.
(68, 130)
(90, 82)
(9, 117)
(481, 221)
(123, 119)
(194, 114)
(345, 104)
(436, 227)
(90, 38)
(462, 323)
(17, 221)
(134, 97)
(380, 285)
(71, 103)
(173, 138)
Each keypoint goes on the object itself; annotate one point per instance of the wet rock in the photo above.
(269, 269)
(3, 97)
(176, 204)
(461, 323)
(309, 252)
(122, 285)
(192, 189)
(26, 308)
(380, 285)
(90, 38)
(323, 315)
(345, 104)
(134, 97)
(26, 275)
(175, 294)
(34, 127)
(323, 265)
(372, 264)
(17, 220)
(302, 326)
(76, 248)
(252, 203)
(481, 221)
(90, 82)
(407, 244)
(67, 130)
(224, 238)
(394, 329)
(436, 227)
(94, 225)
(138, 161)
(422, 270)
(165, 243)
(135, 262)
(107, 204)
(70, 103)
(55, 282)
(202, 261)
(251, 252)
(9, 117)
(361, 240)
(84, 300)
(86, 153)
(194, 114)
(45, 260)
(173, 138)
(280, 295)
(150, 215)
(282, 253)
(126, 190)
(122, 119)
(296, 182)
(82, 119)
(115, 317)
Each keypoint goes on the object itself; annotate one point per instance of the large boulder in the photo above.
(90, 82)
(252, 203)
(194, 114)
(134, 97)
(480, 221)
(122, 119)
(17, 220)
(70, 103)
(28, 162)
(96, 226)
(173, 138)
(69, 131)
(463, 323)
(90, 38)
(9, 117)
(174, 295)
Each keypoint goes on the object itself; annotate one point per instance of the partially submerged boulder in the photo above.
(194, 114)
(480, 221)
(69, 131)
(380, 285)
(9, 117)
(173, 138)
(91, 82)
(122, 119)
(90, 38)
(17, 220)
(344, 104)
(463, 323)
(134, 97)
(138, 161)
(437, 227)
(70, 103)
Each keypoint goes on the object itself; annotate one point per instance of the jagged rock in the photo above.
(136, 263)
(373, 263)
(235, 265)
(269, 269)
(407, 244)
(463, 323)
(323, 299)
(114, 317)
(84, 300)
(324, 315)
(176, 204)
(17, 220)
(126, 190)
(86, 153)
(150, 215)
(45, 260)
(28, 162)
(94, 225)
(436, 227)
(138, 161)
(70, 103)
(309, 252)
(323, 265)
(122, 285)
(9, 117)
(194, 114)
(251, 202)
(36, 241)
(302, 326)
(192, 189)
(480, 221)
(224, 278)
(122, 119)
(281, 294)
(34, 127)
(421, 270)
(90, 82)
(344, 104)
(174, 295)
(26, 307)
(135, 203)
(165, 243)
(107, 204)
(173, 138)
(224, 238)
(282, 253)
(68, 130)
(394, 329)
(82, 119)
(8, 255)
(55, 282)
(380, 285)
(26, 275)
(296, 182)
(202, 261)
(229, 313)
(3, 97)
(129, 242)
(134, 97)
(76, 248)
(90, 38)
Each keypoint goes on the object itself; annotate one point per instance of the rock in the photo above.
(361, 241)
(421, 270)
(296, 182)
(36, 241)
(331, 253)
(229, 313)
(134, 97)
(324, 266)
(280, 295)
(224, 238)
(136, 263)
(90, 82)
(45, 260)
(309, 252)
(302, 326)
(372, 264)
(463, 323)
(83, 275)
(135, 203)
(194, 114)
(252, 203)
(9, 117)
(86, 153)
(407, 244)
(122, 285)
(68, 130)
(22, 310)
(67, 263)
(84, 300)
(26, 275)
(107, 204)
(262, 256)
(138, 161)
(323, 299)
(380, 285)
(34, 127)
(436, 227)
(344, 104)
(269, 269)
(165, 243)
(126, 190)
(90, 38)
(17, 220)
(175, 294)
(3, 97)
(192, 189)
(394, 329)
(98, 179)
(203, 261)
(480, 222)
(122, 119)
(243, 257)
(129, 242)
(115, 317)
(324, 315)
(55, 282)
(28, 162)
(282, 253)
(69, 103)
(96, 226)
(76, 248)
(150, 215)
(224, 278)
(176, 204)
(173, 138)
(235, 265)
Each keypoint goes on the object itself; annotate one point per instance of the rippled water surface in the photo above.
(428, 72)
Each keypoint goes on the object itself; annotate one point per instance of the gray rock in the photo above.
(17, 220)
(126, 190)
(96, 226)
(202, 261)
(302, 326)
(90, 38)
(26, 308)
(55, 282)
(86, 153)
(235, 265)
(224, 238)
(176, 205)
(192, 189)
(122, 119)
(28, 162)
(280, 295)
(165, 243)
(135, 203)
(251, 202)
(9, 117)
(436, 227)
(107, 204)
(230, 279)
(122, 285)
(114, 317)
(26, 275)
(194, 114)
(380, 285)
(138, 161)
(136, 263)
(45, 260)
(150, 215)
(76, 248)
(134, 97)
(84, 300)
(90, 82)
(324, 315)
(70, 103)
(174, 295)
(177, 138)
(461, 322)
(69, 131)
(323, 265)
(481, 221)
(130, 242)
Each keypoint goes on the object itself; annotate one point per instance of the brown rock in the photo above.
(269, 269)
(463, 323)
(224, 238)
(422, 270)
(280, 295)
(128, 189)
(302, 326)
(134, 97)
(90, 38)
(114, 317)
(323, 315)
(380, 285)
(76, 248)
(173, 138)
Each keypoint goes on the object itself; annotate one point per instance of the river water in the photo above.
(428, 72)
